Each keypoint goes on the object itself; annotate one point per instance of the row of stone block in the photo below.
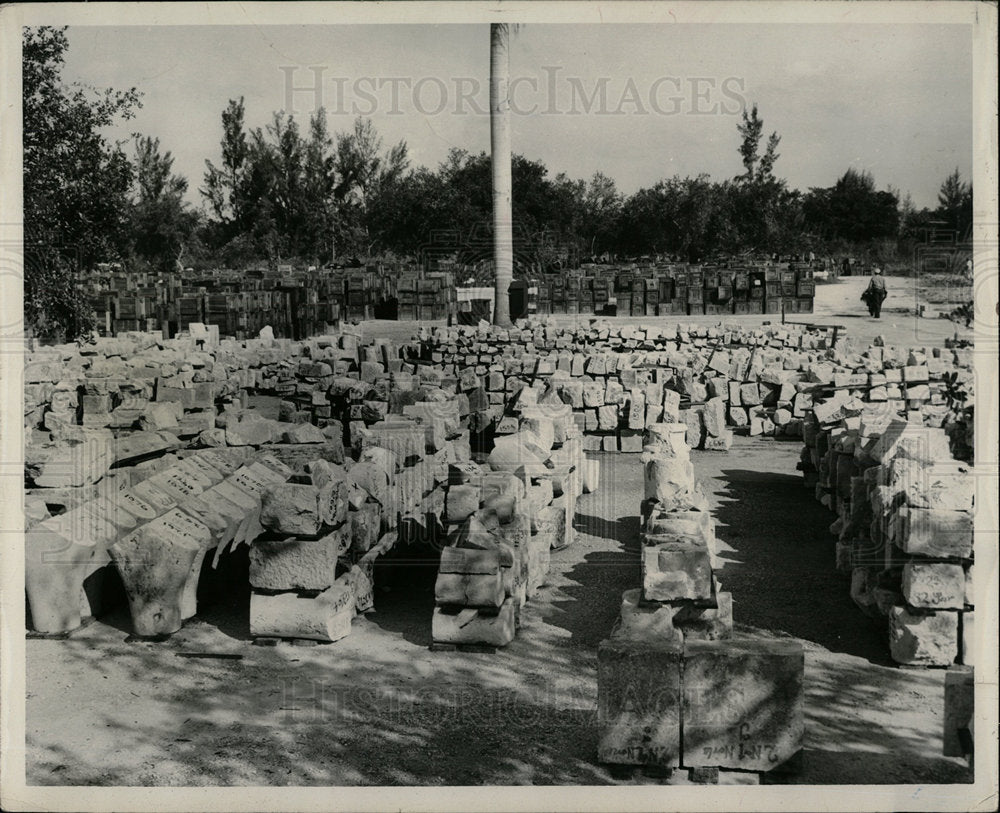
(513, 512)
(675, 689)
(904, 527)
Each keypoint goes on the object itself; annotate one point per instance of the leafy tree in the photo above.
(162, 224)
(852, 210)
(76, 185)
(751, 130)
(224, 186)
(955, 203)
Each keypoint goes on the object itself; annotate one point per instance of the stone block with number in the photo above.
(742, 703)
(639, 702)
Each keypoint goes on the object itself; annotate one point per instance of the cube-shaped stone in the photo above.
(935, 586)
(742, 703)
(923, 638)
(638, 702)
(674, 571)
(452, 625)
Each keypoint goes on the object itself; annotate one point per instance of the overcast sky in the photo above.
(637, 102)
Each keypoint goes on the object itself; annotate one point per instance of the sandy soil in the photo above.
(379, 708)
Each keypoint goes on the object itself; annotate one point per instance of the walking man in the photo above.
(875, 293)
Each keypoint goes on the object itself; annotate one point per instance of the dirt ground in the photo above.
(379, 708)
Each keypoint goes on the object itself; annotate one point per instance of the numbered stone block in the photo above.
(934, 586)
(326, 617)
(639, 702)
(159, 567)
(742, 703)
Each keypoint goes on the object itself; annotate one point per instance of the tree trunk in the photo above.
(503, 242)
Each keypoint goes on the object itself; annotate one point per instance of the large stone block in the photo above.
(959, 711)
(68, 463)
(644, 621)
(742, 703)
(931, 532)
(471, 626)
(639, 701)
(291, 508)
(55, 568)
(668, 481)
(297, 564)
(157, 562)
(934, 586)
(326, 617)
(673, 571)
(923, 638)
(706, 623)
(470, 589)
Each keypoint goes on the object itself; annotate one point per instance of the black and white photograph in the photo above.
(499, 406)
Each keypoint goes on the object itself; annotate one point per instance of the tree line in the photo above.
(292, 191)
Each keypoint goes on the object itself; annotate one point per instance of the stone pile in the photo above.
(676, 688)
(619, 380)
(904, 528)
(503, 518)
(155, 522)
(102, 416)
(888, 445)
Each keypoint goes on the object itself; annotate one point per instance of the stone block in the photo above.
(742, 703)
(290, 508)
(326, 617)
(713, 416)
(638, 702)
(156, 563)
(669, 481)
(297, 564)
(590, 471)
(470, 589)
(673, 571)
(933, 532)
(462, 502)
(934, 586)
(706, 623)
(644, 621)
(451, 625)
(923, 638)
(68, 463)
(607, 418)
(959, 711)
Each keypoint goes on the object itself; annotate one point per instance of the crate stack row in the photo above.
(677, 290)
(897, 475)
(421, 299)
(677, 691)
(502, 519)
